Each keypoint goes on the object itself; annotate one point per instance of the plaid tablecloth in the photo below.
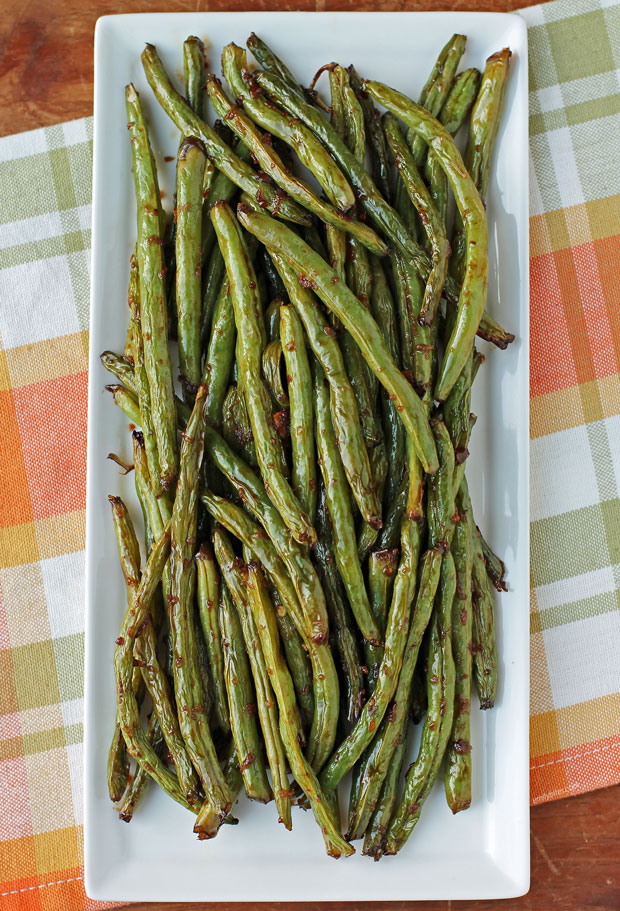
(575, 406)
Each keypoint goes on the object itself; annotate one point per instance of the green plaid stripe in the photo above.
(574, 85)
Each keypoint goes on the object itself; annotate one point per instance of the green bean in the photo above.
(374, 135)
(383, 310)
(473, 289)
(272, 319)
(310, 234)
(343, 406)
(208, 597)
(122, 369)
(135, 791)
(355, 129)
(129, 555)
(213, 277)
(397, 627)
(485, 117)
(151, 271)
(272, 372)
(232, 166)
(440, 506)
(460, 99)
(382, 566)
(437, 186)
(436, 90)
(250, 335)
(373, 202)
(433, 223)
(380, 819)
(275, 285)
(194, 69)
(417, 347)
(267, 709)
(236, 427)
(118, 766)
(145, 655)
(242, 704)
(377, 759)
(126, 401)
(484, 123)
(457, 775)
(359, 279)
(338, 504)
(129, 344)
(337, 118)
(291, 131)
(144, 489)
(272, 164)
(145, 419)
(297, 661)
(187, 685)
(368, 534)
(137, 744)
(438, 723)
(264, 618)
(253, 494)
(194, 72)
(340, 618)
(203, 658)
(358, 321)
(380, 211)
(190, 173)
(221, 188)
(491, 331)
(390, 532)
(337, 248)
(220, 356)
(357, 372)
(457, 413)
(496, 569)
(299, 379)
(358, 273)
(408, 292)
(272, 63)
(325, 680)
(483, 635)
(233, 779)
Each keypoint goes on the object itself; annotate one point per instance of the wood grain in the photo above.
(46, 66)
(46, 76)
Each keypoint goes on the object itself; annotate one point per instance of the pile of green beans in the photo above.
(315, 581)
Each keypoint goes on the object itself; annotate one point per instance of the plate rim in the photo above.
(515, 886)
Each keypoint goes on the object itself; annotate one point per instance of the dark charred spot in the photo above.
(282, 420)
(247, 762)
(462, 746)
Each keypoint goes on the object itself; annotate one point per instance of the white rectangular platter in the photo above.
(484, 852)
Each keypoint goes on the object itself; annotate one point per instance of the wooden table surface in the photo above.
(46, 76)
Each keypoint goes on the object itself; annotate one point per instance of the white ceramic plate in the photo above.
(484, 852)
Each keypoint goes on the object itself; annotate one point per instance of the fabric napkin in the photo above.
(575, 465)
(575, 396)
